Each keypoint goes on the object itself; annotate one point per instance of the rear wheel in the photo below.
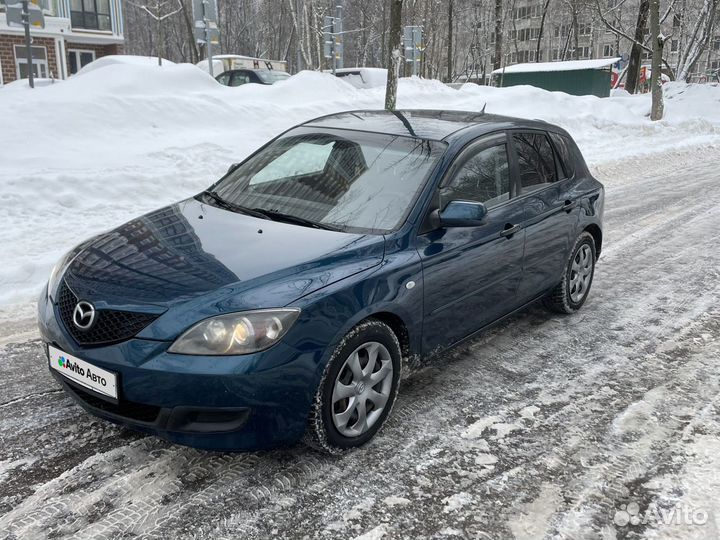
(570, 294)
(357, 390)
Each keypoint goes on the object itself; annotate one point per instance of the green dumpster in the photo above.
(576, 77)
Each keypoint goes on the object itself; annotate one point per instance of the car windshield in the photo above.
(347, 180)
(270, 77)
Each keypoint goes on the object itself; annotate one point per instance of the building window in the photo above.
(90, 14)
(583, 53)
(607, 51)
(584, 30)
(716, 43)
(676, 21)
(39, 62)
(78, 59)
(674, 45)
(561, 31)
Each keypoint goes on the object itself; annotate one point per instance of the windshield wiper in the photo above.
(227, 205)
(289, 218)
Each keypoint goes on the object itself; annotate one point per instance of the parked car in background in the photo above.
(238, 77)
(362, 77)
(280, 302)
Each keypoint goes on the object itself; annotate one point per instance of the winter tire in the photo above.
(357, 389)
(570, 294)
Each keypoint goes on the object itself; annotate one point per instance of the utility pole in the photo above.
(339, 54)
(28, 42)
(208, 39)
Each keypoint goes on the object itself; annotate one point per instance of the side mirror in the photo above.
(463, 214)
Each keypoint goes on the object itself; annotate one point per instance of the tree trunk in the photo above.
(540, 32)
(192, 43)
(633, 70)
(450, 42)
(576, 32)
(161, 39)
(656, 113)
(392, 62)
(497, 60)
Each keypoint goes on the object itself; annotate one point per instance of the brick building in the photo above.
(76, 33)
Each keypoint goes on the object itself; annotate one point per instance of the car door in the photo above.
(471, 274)
(550, 212)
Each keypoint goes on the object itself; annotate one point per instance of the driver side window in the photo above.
(484, 178)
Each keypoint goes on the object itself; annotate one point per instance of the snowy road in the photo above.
(547, 425)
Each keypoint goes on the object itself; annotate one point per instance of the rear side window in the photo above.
(536, 160)
(564, 147)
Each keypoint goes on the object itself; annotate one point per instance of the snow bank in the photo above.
(125, 60)
(124, 138)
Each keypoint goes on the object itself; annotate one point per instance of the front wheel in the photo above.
(357, 390)
(570, 294)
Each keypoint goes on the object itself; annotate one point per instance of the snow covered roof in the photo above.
(570, 65)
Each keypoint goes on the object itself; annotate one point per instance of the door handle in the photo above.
(509, 230)
(569, 205)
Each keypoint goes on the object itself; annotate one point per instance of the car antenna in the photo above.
(482, 111)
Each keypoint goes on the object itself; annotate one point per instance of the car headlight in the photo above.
(236, 333)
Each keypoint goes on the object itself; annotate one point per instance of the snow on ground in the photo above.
(88, 154)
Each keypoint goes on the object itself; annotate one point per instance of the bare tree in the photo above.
(393, 59)
(699, 38)
(158, 10)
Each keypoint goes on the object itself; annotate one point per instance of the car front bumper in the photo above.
(229, 403)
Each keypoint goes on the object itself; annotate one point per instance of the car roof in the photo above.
(425, 124)
(257, 70)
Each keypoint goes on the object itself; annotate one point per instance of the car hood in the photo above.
(191, 252)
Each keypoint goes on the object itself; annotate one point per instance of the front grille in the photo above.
(126, 409)
(110, 326)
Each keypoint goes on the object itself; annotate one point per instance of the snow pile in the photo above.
(127, 137)
(124, 60)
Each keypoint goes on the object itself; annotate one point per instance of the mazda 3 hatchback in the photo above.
(279, 304)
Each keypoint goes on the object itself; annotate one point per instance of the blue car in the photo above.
(280, 304)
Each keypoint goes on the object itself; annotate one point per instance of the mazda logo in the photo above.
(84, 315)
